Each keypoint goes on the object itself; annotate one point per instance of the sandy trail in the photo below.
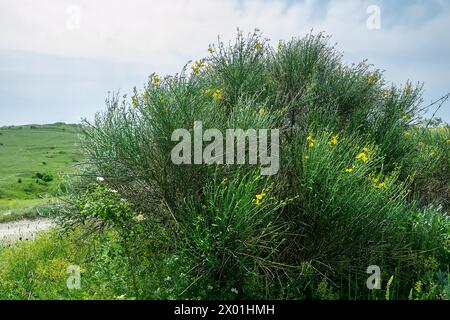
(11, 232)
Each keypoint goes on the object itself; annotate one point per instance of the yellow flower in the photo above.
(407, 133)
(262, 111)
(207, 91)
(258, 46)
(349, 170)
(371, 80)
(306, 157)
(311, 140)
(217, 95)
(365, 149)
(195, 69)
(310, 137)
(334, 140)
(199, 64)
(146, 95)
(418, 286)
(156, 80)
(363, 157)
(405, 117)
(448, 140)
(381, 185)
(134, 101)
(260, 196)
(211, 50)
(407, 193)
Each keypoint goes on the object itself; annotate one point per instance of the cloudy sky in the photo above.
(59, 59)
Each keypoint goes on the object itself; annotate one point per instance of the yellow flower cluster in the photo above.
(258, 46)
(217, 95)
(156, 80)
(197, 67)
(334, 140)
(377, 182)
(211, 50)
(371, 80)
(311, 141)
(259, 198)
(363, 157)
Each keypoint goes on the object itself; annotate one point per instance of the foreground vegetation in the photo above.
(362, 182)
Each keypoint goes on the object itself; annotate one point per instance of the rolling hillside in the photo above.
(33, 160)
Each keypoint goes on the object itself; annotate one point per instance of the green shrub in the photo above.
(344, 199)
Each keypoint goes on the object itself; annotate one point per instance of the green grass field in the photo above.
(33, 161)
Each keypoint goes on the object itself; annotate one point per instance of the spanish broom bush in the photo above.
(345, 196)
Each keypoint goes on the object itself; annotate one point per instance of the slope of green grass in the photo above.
(31, 156)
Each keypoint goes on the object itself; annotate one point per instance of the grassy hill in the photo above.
(33, 159)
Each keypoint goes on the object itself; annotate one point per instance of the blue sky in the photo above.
(59, 59)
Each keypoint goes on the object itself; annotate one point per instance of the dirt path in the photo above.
(22, 230)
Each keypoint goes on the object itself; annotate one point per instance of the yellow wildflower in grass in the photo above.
(146, 95)
(363, 157)
(418, 286)
(381, 185)
(407, 133)
(262, 111)
(217, 95)
(405, 117)
(407, 193)
(448, 140)
(258, 46)
(310, 139)
(156, 80)
(349, 170)
(371, 80)
(365, 149)
(211, 50)
(334, 140)
(307, 157)
(259, 197)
